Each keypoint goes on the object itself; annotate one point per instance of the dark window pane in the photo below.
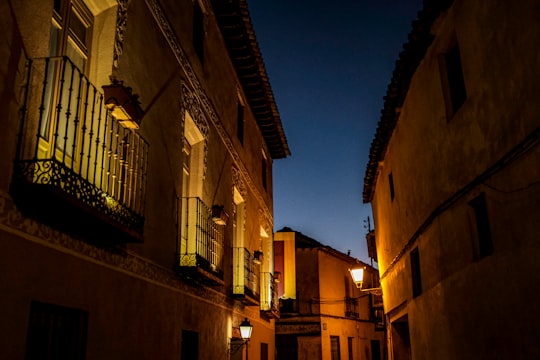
(415, 272)
(78, 28)
(375, 350)
(56, 333)
(264, 351)
(391, 184)
(485, 244)
(240, 122)
(190, 345)
(334, 347)
(456, 83)
(198, 30)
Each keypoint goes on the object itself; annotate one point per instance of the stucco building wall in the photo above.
(327, 304)
(138, 299)
(439, 164)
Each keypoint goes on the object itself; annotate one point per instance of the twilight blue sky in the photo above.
(329, 63)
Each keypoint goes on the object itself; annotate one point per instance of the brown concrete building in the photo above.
(454, 182)
(136, 209)
(323, 314)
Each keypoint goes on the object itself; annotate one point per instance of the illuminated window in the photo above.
(453, 81)
(70, 36)
(241, 255)
(192, 184)
(484, 243)
(56, 332)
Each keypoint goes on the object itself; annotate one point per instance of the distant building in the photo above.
(136, 215)
(323, 314)
(454, 183)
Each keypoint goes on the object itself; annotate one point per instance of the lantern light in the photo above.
(357, 275)
(245, 329)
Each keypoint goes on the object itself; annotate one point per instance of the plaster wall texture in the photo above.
(137, 304)
(467, 308)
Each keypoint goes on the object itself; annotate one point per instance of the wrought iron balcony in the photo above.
(269, 295)
(200, 249)
(245, 275)
(76, 166)
(288, 306)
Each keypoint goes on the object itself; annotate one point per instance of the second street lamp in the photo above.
(245, 331)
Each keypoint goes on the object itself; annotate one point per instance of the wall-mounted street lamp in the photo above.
(245, 333)
(245, 330)
(357, 275)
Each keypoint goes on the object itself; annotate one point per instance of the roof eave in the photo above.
(420, 38)
(235, 24)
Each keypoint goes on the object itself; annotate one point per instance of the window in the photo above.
(70, 35)
(192, 149)
(375, 350)
(401, 341)
(76, 145)
(350, 348)
(391, 184)
(484, 245)
(264, 173)
(453, 81)
(190, 345)
(198, 30)
(241, 256)
(201, 238)
(264, 351)
(334, 348)
(415, 272)
(56, 333)
(240, 121)
(193, 158)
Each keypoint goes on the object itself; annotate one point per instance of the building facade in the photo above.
(454, 184)
(323, 315)
(136, 208)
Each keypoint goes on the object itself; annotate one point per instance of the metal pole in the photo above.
(247, 341)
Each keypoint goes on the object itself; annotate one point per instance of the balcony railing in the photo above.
(201, 240)
(245, 274)
(72, 150)
(376, 301)
(287, 306)
(269, 295)
(376, 312)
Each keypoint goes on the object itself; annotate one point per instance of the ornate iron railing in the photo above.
(71, 144)
(288, 306)
(269, 294)
(201, 240)
(245, 273)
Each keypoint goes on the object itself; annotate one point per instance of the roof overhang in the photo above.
(413, 52)
(237, 30)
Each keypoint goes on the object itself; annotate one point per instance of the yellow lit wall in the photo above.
(288, 276)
